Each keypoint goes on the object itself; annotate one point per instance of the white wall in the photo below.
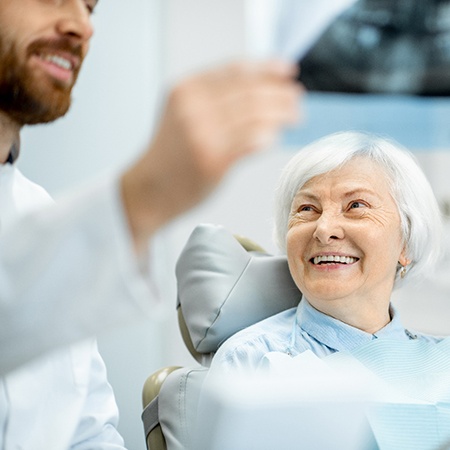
(202, 33)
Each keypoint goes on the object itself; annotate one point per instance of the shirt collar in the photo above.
(338, 335)
(13, 152)
(10, 159)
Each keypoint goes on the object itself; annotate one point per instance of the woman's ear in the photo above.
(403, 259)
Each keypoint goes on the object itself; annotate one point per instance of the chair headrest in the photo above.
(223, 288)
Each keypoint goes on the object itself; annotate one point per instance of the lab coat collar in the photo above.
(13, 152)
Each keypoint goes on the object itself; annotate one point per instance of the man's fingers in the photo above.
(270, 69)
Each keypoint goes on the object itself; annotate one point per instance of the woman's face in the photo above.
(344, 237)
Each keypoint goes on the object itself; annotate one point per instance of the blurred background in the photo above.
(140, 48)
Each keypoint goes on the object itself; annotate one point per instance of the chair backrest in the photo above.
(225, 284)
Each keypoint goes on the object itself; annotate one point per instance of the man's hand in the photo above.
(210, 121)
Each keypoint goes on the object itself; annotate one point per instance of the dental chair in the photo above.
(225, 283)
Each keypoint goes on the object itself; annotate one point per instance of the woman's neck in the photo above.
(366, 316)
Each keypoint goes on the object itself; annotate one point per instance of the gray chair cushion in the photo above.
(222, 288)
(177, 406)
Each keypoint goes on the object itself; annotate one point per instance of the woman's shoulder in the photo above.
(433, 339)
(271, 328)
(250, 344)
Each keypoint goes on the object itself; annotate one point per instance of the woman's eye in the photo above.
(305, 208)
(357, 204)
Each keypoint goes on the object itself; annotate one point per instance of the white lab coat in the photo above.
(66, 271)
(58, 402)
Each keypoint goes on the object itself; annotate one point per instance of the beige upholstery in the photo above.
(225, 283)
(152, 387)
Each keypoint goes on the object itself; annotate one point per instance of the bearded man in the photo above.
(68, 270)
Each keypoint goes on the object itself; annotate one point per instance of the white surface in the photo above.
(283, 412)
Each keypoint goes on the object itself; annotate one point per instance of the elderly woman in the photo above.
(357, 218)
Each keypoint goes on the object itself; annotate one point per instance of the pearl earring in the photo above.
(403, 272)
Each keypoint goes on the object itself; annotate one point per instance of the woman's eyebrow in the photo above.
(355, 192)
(361, 190)
(306, 195)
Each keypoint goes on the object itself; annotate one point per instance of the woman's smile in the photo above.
(332, 259)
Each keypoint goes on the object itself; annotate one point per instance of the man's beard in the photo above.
(23, 97)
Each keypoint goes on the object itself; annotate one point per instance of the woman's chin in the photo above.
(327, 292)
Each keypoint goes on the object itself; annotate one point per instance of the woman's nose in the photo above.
(328, 228)
(75, 20)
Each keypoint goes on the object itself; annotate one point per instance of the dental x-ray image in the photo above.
(375, 46)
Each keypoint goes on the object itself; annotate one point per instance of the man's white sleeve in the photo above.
(67, 272)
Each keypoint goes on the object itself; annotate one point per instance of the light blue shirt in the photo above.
(298, 329)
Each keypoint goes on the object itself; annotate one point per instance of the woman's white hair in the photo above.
(421, 220)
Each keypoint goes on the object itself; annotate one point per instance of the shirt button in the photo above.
(410, 335)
